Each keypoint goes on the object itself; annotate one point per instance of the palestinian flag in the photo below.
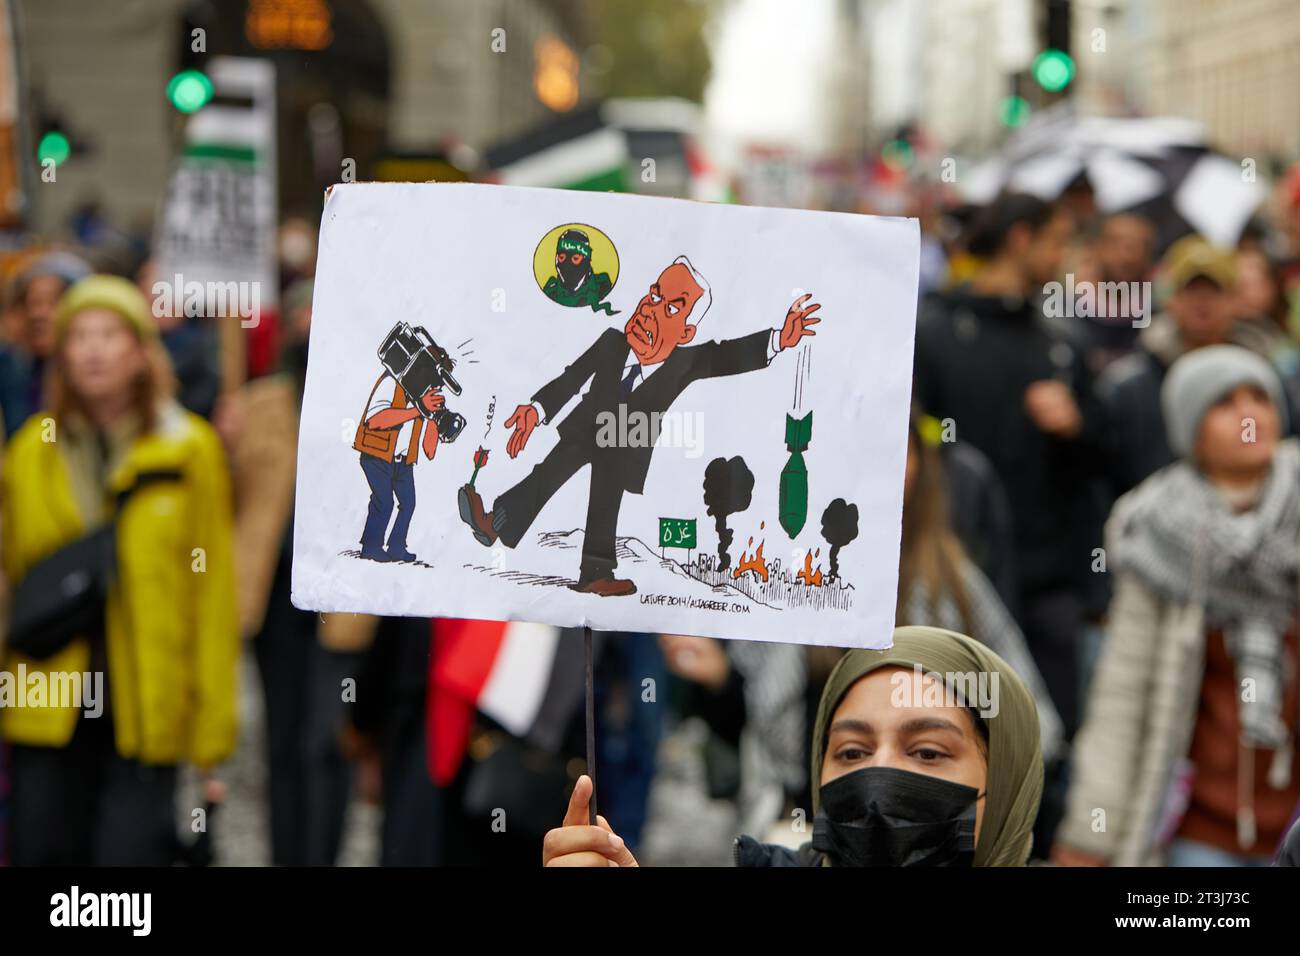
(528, 678)
(577, 151)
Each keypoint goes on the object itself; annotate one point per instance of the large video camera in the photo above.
(420, 364)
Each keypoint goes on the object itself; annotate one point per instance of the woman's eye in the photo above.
(852, 753)
(929, 756)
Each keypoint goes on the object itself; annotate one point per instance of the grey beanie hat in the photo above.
(1202, 377)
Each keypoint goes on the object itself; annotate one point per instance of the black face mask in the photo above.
(880, 816)
(571, 276)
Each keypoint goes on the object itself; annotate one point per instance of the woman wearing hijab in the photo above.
(907, 768)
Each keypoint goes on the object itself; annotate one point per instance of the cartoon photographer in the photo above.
(394, 430)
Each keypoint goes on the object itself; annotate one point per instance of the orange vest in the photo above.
(381, 443)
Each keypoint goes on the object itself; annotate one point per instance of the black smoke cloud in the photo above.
(728, 489)
(839, 527)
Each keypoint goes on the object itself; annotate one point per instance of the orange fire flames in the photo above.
(755, 564)
(808, 576)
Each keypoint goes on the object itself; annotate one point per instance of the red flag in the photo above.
(459, 666)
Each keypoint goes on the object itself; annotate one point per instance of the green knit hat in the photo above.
(106, 292)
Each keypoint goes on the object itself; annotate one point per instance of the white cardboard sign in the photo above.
(637, 419)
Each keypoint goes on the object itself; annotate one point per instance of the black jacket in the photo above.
(980, 516)
(975, 356)
(604, 364)
(749, 852)
(1129, 392)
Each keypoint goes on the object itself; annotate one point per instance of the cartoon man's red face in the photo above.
(659, 323)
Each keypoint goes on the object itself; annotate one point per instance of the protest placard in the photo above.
(509, 391)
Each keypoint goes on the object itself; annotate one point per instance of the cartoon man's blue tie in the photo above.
(629, 381)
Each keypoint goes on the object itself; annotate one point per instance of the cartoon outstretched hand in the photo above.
(798, 321)
(524, 420)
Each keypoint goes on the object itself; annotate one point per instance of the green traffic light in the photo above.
(1013, 111)
(1053, 69)
(53, 147)
(189, 90)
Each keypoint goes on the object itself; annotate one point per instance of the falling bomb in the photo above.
(793, 495)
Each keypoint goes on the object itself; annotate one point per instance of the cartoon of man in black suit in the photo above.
(644, 368)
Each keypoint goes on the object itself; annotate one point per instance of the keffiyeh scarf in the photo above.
(1180, 536)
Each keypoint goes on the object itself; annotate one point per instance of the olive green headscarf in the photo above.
(1015, 772)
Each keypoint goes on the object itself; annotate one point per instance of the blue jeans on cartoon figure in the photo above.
(388, 481)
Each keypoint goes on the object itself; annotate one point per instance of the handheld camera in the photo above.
(420, 364)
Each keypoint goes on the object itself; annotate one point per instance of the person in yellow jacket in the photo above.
(96, 784)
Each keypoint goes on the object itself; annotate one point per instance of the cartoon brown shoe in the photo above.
(606, 587)
(472, 513)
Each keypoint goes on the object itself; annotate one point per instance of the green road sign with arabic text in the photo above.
(677, 533)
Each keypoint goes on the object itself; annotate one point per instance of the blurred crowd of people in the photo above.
(1106, 505)
(1141, 471)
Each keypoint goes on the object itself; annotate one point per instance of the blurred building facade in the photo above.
(973, 49)
(1233, 66)
(950, 64)
(849, 118)
(357, 79)
(453, 75)
(99, 72)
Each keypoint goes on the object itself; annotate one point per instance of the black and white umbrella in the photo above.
(1159, 167)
